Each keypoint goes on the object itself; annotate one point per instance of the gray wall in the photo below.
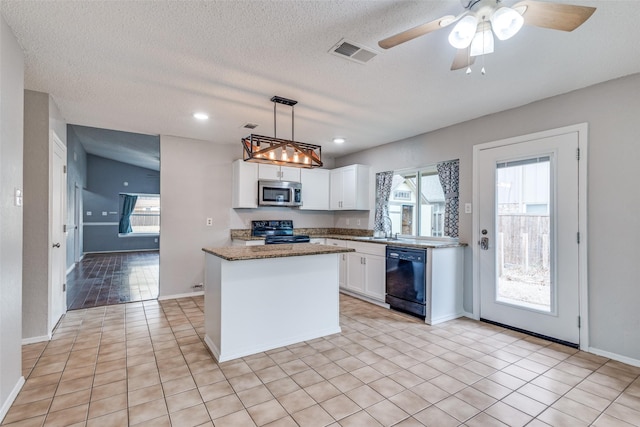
(611, 109)
(76, 175)
(35, 272)
(11, 155)
(197, 175)
(105, 181)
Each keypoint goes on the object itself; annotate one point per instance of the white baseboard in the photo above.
(11, 398)
(176, 296)
(123, 250)
(364, 298)
(34, 340)
(614, 356)
(71, 267)
(469, 315)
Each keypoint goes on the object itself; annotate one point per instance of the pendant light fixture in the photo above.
(283, 152)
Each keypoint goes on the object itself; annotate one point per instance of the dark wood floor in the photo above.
(114, 278)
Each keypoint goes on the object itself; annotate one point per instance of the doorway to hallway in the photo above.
(113, 278)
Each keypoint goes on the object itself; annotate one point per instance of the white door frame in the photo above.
(56, 143)
(582, 131)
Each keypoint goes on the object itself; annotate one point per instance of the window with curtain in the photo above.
(139, 214)
(418, 203)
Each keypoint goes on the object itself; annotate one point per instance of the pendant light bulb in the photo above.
(483, 71)
(468, 70)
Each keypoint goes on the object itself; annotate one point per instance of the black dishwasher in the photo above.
(406, 290)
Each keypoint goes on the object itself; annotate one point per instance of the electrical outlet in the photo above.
(358, 221)
(209, 222)
(347, 221)
(104, 213)
(155, 240)
(467, 208)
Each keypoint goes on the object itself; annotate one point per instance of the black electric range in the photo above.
(277, 232)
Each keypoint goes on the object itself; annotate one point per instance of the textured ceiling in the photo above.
(146, 66)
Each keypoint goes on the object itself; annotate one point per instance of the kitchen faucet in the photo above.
(387, 225)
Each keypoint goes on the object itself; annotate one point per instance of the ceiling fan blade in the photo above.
(555, 16)
(462, 59)
(414, 32)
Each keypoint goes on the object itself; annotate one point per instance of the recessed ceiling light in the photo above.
(338, 140)
(201, 116)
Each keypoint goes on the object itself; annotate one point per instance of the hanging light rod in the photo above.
(278, 151)
(285, 101)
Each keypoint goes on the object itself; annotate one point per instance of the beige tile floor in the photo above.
(145, 364)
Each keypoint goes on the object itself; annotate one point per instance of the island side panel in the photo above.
(212, 303)
(273, 302)
(445, 288)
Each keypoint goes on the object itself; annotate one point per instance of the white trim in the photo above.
(122, 250)
(364, 298)
(582, 130)
(134, 234)
(467, 314)
(34, 340)
(176, 296)
(6, 405)
(100, 223)
(70, 269)
(614, 356)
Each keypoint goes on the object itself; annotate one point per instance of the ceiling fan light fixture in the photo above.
(506, 22)
(482, 43)
(464, 31)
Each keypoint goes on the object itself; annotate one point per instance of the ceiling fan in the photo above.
(473, 34)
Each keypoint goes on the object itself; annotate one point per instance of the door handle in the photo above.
(56, 245)
(484, 243)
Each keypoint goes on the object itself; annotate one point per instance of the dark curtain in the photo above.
(128, 205)
(383, 190)
(449, 174)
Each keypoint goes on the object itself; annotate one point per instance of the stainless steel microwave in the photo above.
(279, 193)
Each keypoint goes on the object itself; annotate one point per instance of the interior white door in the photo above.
(528, 254)
(57, 291)
(77, 217)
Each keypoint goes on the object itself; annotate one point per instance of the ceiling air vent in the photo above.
(250, 126)
(353, 51)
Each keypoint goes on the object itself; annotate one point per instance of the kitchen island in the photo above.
(258, 298)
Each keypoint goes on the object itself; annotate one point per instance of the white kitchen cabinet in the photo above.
(315, 189)
(366, 270)
(278, 173)
(244, 184)
(342, 278)
(444, 284)
(349, 188)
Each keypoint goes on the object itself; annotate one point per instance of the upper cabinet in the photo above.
(245, 185)
(315, 189)
(278, 173)
(345, 188)
(349, 189)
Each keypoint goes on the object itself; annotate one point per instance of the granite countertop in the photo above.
(239, 253)
(355, 235)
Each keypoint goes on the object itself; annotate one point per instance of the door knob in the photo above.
(56, 245)
(484, 243)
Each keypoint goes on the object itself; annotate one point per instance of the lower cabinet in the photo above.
(342, 268)
(366, 270)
